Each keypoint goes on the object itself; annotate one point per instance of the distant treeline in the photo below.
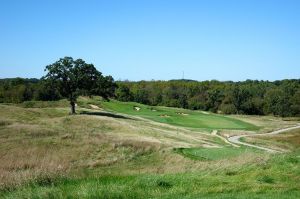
(248, 97)
(280, 98)
(17, 90)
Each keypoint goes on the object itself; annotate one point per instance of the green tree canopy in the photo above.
(74, 77)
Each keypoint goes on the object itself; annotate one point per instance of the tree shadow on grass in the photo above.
(106, 114)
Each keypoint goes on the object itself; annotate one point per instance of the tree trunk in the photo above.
(72, 107)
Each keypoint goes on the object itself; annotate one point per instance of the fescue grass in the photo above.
(275, 178)
(287, 141)
(47, 153)
(44, 104)
(86, 102)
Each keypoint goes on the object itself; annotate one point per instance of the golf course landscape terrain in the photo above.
(150, 99)
(113, 149)
(179, 117)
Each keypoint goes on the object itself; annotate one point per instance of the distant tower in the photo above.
(182, 74)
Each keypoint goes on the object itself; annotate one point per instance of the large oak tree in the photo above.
(74, 77)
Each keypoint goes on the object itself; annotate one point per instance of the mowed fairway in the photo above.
(178, 117)
(213, 153)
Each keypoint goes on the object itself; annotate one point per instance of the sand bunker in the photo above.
(178, 113)
(94, 106)
(152, 109)
(136, 108)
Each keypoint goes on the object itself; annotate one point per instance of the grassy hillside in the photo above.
(178, 117)
(47, 153)
(287, 141)
(275, 178)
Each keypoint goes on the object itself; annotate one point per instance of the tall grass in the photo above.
(46, 153)
(250, 181)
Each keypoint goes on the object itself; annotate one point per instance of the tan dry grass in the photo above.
(286, 141)
(34, 144)
(27, 163)
(48, 142)
(267, 123)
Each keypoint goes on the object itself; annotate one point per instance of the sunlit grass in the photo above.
(47, 153)
(179, 117)
(213, 153)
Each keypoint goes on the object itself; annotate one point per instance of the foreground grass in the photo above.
(47, 142)
(276, 178)
(46, 153)
(179, 117)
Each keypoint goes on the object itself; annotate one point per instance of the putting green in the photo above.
(178, 117)
(212, 153)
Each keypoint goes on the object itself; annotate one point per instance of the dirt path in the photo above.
(184, 133)
(236, 139)
(215, 133)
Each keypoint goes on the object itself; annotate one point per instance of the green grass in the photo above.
(179, 117)
(212, 153)
(276, 178)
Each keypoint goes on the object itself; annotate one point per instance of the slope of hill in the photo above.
(46, 153)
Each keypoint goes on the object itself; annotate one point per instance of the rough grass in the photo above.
(47, 153)
(86, 102)
(288, 141)
(44, 104)
(266, 123)
(39, 142)
(274, 178)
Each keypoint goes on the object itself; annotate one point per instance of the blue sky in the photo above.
(154, 39)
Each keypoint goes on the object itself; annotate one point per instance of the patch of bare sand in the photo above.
(95, 107)
(180, 113)
(204, 112)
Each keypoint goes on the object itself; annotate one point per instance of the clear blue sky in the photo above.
(154, 39)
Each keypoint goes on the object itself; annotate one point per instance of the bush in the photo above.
(228, 109)
(266, 179)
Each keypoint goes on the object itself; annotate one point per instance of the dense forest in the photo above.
(253, 97)
(248, 97)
